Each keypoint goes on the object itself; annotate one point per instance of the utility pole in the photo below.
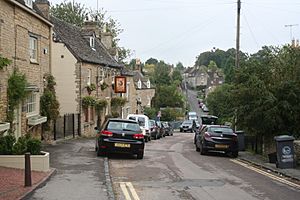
(237, 56)
(291, 27)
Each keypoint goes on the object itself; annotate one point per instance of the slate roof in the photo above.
(77, 41)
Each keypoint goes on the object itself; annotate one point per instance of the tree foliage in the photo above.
(71, 12)
(265, 93)
(49, 102)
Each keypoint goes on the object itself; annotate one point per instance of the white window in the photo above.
(92, 42)
(31, 104)
(89, 77)
(139, 84)
(28, 3)
(33, 48)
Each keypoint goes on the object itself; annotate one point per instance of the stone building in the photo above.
(145, 91)
(80, 61)
(25, 32)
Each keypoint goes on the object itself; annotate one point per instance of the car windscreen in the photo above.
(141, 121)
(187, 123)
(209, 120)
(123, 126)
(220, 130)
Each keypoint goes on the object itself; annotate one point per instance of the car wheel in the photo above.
(234, 154)
(180, 130)
(140, 155)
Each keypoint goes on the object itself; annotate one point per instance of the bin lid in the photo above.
(284, 138)
(239, 132)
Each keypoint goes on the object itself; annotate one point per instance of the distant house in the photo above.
(202, 77)
(145, 90)
(83, 67)
(25, 37)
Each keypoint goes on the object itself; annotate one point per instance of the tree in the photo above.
(71, 12)
(49, 102)
(167, 96)
(176, 76)
(152, 61)
(161, 74)
(179, 66)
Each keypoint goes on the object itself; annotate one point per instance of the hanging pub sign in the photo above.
(120, 84)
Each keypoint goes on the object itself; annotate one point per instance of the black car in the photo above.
(217, 138)
(120, 136)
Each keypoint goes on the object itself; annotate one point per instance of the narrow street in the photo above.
(172, 169)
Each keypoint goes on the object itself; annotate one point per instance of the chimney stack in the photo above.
(43, 6)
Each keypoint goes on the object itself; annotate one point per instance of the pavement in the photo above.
(12, 180)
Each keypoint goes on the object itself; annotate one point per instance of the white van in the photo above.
(143, 121)
(192, 116)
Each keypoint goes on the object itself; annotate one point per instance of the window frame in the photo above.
(33, 49)
(31, 104)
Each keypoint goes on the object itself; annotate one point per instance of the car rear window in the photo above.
(122, 126)
(221, 130)
(208, 120)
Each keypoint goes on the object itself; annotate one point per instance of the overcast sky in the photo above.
(179, 30)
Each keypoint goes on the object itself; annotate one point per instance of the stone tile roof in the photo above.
(77, 41)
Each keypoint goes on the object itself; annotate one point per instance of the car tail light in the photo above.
(106, 133)
(207, 135)
(138, 136)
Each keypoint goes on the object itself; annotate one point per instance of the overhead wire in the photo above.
(182, 36)
(251, 32)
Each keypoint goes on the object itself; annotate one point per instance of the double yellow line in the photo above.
(279, 179)
(129, 191)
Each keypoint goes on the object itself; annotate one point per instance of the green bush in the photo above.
(20, 147)
(9, 146)
(34, 146)
(6, 144)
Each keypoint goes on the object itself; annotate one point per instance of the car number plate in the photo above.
(221, 146)
(122, 145)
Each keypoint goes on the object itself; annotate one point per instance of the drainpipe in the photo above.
(80, 100)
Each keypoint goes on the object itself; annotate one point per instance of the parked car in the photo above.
(154, 129)
(120, 136)
(205, 120)
(143, 121)
(217, 138)
(187, 125)
(167, 128)
(205, 109)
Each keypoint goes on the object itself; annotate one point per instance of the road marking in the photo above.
(282, 180)
(129, 191)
